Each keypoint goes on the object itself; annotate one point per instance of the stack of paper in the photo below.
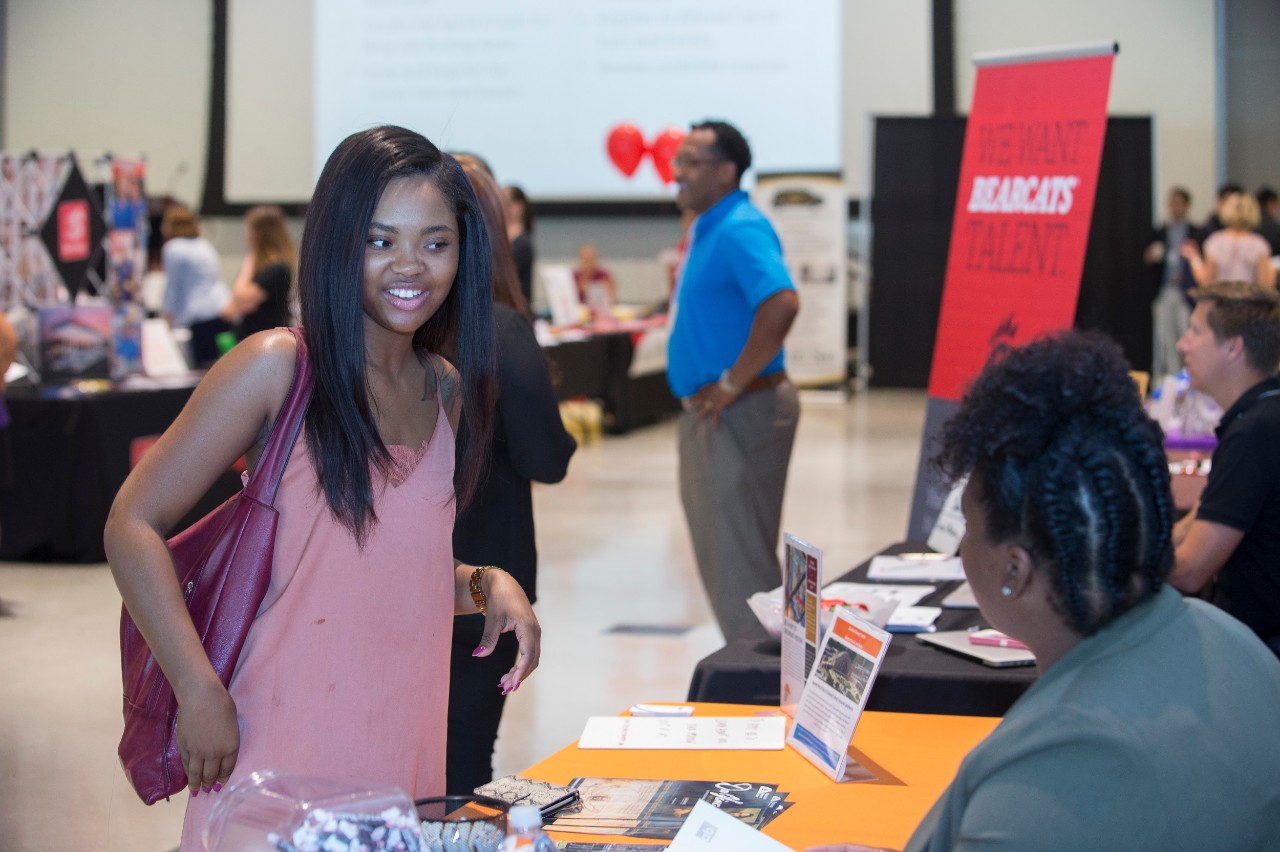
(656, 809)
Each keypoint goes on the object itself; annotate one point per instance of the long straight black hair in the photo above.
(341, 431)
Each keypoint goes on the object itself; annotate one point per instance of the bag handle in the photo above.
(265, 478)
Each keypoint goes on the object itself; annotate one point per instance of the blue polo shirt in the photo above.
(734, 263)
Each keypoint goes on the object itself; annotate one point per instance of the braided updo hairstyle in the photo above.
(1071, 468)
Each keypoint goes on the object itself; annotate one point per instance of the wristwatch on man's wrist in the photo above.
(726, 384)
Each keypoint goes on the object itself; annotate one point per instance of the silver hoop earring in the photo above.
(1006, 591)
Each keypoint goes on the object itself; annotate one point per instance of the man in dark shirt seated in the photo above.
(1228, 546)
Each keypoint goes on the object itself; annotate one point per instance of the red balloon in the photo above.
(664, 150)
(626, 147)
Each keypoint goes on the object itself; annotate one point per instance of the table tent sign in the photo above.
(801, 597)
(836, 693)
(1028, 177)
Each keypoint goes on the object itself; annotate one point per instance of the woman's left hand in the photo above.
(508, 610)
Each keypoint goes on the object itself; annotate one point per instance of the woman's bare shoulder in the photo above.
(258, 370)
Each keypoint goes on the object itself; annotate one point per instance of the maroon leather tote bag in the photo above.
(224, 565)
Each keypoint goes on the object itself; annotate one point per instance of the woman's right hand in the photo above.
(208, 737)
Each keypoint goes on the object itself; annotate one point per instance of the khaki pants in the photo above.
(732, 478)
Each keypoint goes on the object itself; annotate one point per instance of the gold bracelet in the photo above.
(477, 593)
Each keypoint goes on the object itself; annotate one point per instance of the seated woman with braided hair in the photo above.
(1152, 725)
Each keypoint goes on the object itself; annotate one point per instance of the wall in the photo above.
(149, 60)
(1165, 68)
(1251, 99)
(123, 77)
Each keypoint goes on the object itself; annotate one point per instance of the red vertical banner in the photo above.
(1027, 182)
(1028, 177)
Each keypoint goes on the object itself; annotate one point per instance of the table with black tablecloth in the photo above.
(598, 366)
(70, 457)
(914, 678)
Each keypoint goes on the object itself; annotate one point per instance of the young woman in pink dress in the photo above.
(345, 673)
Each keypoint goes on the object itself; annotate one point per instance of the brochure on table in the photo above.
(657, 808)
(801, 596)
(837, 690)
(871, 600)
(709, 829)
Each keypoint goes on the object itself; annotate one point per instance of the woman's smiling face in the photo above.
(410, 256)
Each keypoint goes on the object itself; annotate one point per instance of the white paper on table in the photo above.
(709, 829)
(756, 733)
(907, 618)
(913, 619)
(945, 569)
(661, 710)
(903, 595)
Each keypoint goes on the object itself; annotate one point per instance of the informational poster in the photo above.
(810, 214)
(801, 596)
(1028, 177)
(29, 187)
(127, 262)
(75, 343)
(837, 690)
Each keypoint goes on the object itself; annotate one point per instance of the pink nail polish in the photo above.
(217, 786)
(195, 793)
(478, 651)
(205, 789)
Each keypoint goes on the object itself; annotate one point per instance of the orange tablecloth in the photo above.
(914, 756)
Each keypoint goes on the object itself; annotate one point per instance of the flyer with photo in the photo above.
(801, 595)
(836, 692)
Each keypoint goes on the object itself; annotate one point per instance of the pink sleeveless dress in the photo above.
(345, 674)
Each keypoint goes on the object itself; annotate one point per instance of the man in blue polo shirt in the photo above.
(1227, 548)
(733, 305)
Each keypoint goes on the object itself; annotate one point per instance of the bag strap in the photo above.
(265, 478)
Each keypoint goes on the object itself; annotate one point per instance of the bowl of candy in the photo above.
(462, 823)
(275, 811)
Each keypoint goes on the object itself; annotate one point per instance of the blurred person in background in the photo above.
(194, 293)
(597, 289)
(528, 444)
(519, 215)
(1171, 307)
(1234, 253)
(1268, 223)
(262, 293)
